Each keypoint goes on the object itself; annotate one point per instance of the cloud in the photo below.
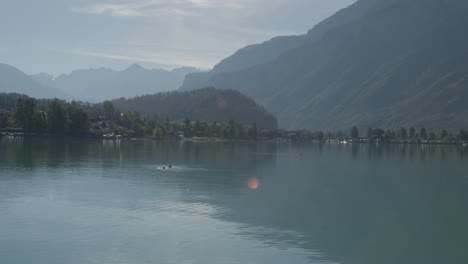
(144, 8)
(171, 60)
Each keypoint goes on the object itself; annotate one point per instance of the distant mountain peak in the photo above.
(43, 75)
(106, 83)
(135, 67)
(13, 80)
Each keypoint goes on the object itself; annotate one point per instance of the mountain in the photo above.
(104, 84)
(43, 79)
(374, 64)
(12, 80)
(207, 104)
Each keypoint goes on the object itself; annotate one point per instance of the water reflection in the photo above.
(312, 203)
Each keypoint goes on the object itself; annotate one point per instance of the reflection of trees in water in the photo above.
(365, 204)
(216, 155)
(31, 153)
(409, 152)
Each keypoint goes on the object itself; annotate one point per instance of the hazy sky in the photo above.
(58, 36)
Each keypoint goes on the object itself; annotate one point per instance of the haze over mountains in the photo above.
(104, 84)
(92, 85)
(13, 80)
(377, 63)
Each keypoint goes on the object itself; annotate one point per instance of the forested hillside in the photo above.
(209, 104)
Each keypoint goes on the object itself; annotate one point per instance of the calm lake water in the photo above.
(71, 201)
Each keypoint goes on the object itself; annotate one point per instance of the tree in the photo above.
(150, 126)
(39, 122)
(78, 121)
(378, 133)
(320, 136)
(24, 114)
(423, 133)
(354, 133)
(56, 117)
(412, 133)
(231, 129)
(369, 133)
(3, 121)
(463, 135)
(443, 134)
(108, 110)
(138, 129)
(402, 134)
(187, 122)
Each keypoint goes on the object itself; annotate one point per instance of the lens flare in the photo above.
(221, 103)
(253, 184)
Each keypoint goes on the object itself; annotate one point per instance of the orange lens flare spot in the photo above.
(253, 184)
(221, 103)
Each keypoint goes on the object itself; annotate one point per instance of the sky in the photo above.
(59, 36)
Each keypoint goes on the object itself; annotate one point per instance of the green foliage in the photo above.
(72, 118)
(378, 133)
(24, 114)
(39, 122)
(463, 135)
(78, 121)
(402, 134)
(8, 101)
(423, 133)
(412, 133)
(443, 135)
(108, 110)
(209, 105)
(56, 117)
(138, 129)
(3, 121)
(320, 136)
(369, 133)
(354, 133)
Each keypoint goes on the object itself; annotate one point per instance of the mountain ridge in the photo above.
(13, 80)
(368, 65)
(99, 84)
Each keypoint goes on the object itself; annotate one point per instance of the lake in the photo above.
(93, 201)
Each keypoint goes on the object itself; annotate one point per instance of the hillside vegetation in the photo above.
(389, 64)
(209, 104)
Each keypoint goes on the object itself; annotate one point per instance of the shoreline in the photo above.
(363, 141)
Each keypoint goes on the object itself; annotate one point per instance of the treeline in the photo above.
(38, 117)
(414, 135)
(126, 124)
(409, 135)
(401, 135)
(56, 117)
(49, 117)
(8, 100)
